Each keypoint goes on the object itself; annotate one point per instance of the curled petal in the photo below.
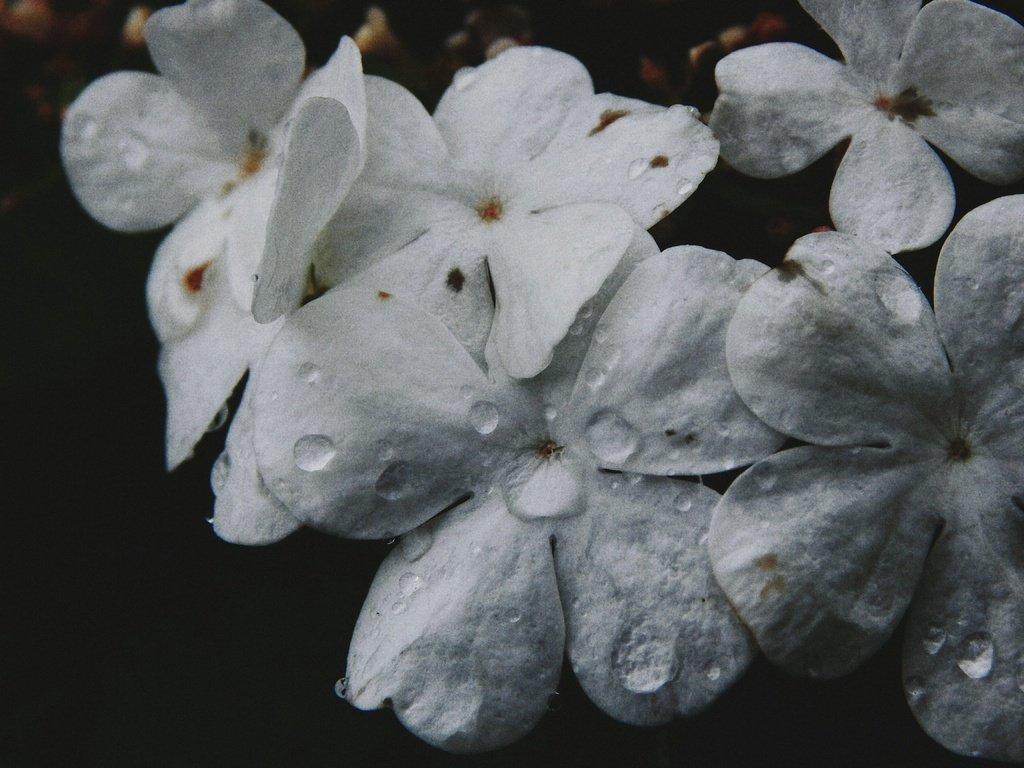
(819, 550)
(510, 108)
(237, 61)
(653, 393)
(463, 641)
(837, 346)
(780, 107)
(373, 433)
(892, 188)
(650, 634)
(137, 155)
(645, 158)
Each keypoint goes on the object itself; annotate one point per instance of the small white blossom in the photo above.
(949, 74)
(914, 483)
(371, 420)
(228, 137)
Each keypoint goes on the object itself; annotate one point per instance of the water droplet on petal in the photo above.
(219, 419)
(827, 267)
(341, 687)
(975, 655)
(135, 154)
(766, 478)
(914, 686)
(611, 438)
(309, 372)
(550, 413)
(934, 639)
(643, 661)
(713, 672)
(466, 391)
(313, 452)
(385, 452)
(219, 473)
(484, 416)
(585, 311)
(683, 502)
(638, 167)
(409, 584)
(514, 618)
(594, 378)
(399, 607)
(600, 334)
(396, 481)
(686, 188)
(415, 544)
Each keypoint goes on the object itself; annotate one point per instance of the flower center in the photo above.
(254, 154)
(908, 105)
(548, 449)
(490, 209)
(958, 450)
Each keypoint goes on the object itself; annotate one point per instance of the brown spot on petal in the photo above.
(767, 562)
(608, 117)
(193, 279)
(659, 161)
(383, 295)
(907, 105)
(775, 584)
(670, 433)
(455, 280)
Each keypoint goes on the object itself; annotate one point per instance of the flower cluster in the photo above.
(459, 333)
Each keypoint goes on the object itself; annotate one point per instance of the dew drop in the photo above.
(134, 154)
(585, 312)
(309, 372)
(399, 607)
(611, 437)
(484, 416)
(642, 661)
(827, 267)
(396, 481)
(934, 639)
(594, 378)
(219, 419)
(550, 414)
(683, 502)
(914, 686)
(415, 544)
(466, 391)
(975, 655)
(686, 188)
(385, 452)
(313, 452)
(409, 584)
(638, 167)
(766, 478)
(219, 473)
(713, 672)
(600, 334)
(515, 618)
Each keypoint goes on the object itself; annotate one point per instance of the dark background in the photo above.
(131, 636)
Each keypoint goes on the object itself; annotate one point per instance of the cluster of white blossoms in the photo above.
(459, 333)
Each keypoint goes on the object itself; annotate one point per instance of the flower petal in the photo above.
(545, 265)
(363, 415)
(341, 79)
(401, 191)
(654, 394)
(237, 61)
(780, 107)
(837, 346)
(465, 641)
(509, 109)
(245, 511)
(539, 486)
(323, 155)
(891, 187)
(645, 158)
(137, 154)
(973, 81)
(979, 304)
(870, 33)
(819, 550)
(650, 634)
(963, 662)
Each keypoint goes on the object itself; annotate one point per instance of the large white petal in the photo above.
(341, 79)
(237, 61)
(138, 155)
(323, 155)
(837, 346)
(545, 266)
(653, 393)
(781, 106)
(891, 187)
(645, 158)
(365, 420)
(979, 305)
(245, 511)
(972, 80)
(464, 641)
(650, 634)
(870, 33)
(963, 662)
(507, 110)
(819, 549)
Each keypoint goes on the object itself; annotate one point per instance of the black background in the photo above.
(131, 636)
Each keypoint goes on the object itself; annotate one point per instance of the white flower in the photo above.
(227, 135)
(371, 420)
(950, 73)
(524, 179)
(913, 484)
